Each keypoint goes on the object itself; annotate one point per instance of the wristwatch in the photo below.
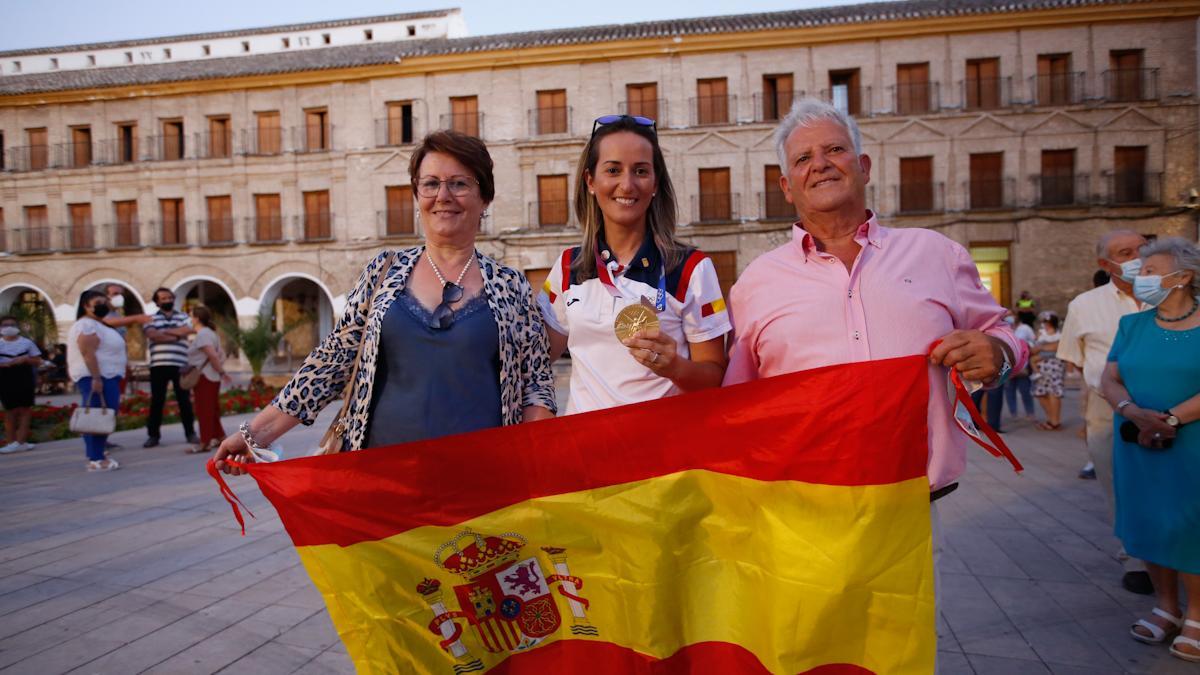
(1172, 420)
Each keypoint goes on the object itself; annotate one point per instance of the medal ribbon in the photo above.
(602, 273)
(967, 416)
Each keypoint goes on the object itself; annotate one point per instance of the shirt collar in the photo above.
(1122, 295)
(868, 233)
(646, 263)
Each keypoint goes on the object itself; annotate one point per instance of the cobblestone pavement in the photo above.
(142, 569)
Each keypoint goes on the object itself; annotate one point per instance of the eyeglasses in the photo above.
(605, 120)
(443, 316)
(457, 185)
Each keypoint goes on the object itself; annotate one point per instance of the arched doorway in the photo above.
(213, 295)
(34, 313)
(135, 340)
(303, 310)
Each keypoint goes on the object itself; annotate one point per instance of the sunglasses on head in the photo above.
(605, 120)
(443, 316)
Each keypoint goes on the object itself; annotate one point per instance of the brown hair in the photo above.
(468, 150)
(204, 315)
(660, 215)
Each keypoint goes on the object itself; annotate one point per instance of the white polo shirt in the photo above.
(603, 372)
(1091, 326)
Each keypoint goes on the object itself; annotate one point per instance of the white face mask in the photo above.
(1129, 268)
(117, 301)
(10, 331)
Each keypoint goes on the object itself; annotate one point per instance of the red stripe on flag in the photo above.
(851, 424)
(566, 271)
(693, 260)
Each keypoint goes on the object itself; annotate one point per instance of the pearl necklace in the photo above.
(463, 273)
(1195, 305)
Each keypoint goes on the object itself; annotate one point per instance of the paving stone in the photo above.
(328, 663)
(998, 665)
(272, 657)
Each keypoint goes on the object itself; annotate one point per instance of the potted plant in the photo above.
(256, 342)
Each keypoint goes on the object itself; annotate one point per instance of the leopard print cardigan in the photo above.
(525, 377)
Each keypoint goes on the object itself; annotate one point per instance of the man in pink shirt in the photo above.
(847, 289)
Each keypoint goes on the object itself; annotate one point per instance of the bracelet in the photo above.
(244, 429)
(1122, 404)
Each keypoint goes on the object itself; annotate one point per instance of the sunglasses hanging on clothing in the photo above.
(443, 316)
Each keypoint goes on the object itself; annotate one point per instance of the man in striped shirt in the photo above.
(167, 334)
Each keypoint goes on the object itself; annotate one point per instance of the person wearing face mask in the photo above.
(435, 340)
(96, 361)
(1152, 382)
(1085, 341)
(641, 313)
(19, 357)
(167, 333)
(1048, 385)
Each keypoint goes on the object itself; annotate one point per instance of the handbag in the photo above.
(190, 377)
(89, 420)
(335, 436)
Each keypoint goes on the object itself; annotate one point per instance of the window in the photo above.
(725, 263)
(220, 137)
(775, 203)
(125, 213)
(207, 50)
(712, 103)
(326, 38)
(167, 53)
(268, 218)
(982, 84)
(172, 139)
(128, 57)
(220, 219)
(245, 46)
(1058, 177)
(464, 114)
(412, 30)
(316, 215)
(16, 66)
(715, 201)
(399, 123)
(399, 210)
(552, 200)
(1054, 79)
(37, 231)
(173, 231)
(39, 149)
(1125, 75)
(268, 134)
(368, 34)
(552, 111)
(776, 96)
(81, 236)
(81, 146)
(286, 42)
(912, 88)
(916, 184)
(316, 129)
(126, 142)
(53, 64)
(1129, 175)
(987, 183)
(845, 92)
(91, 59)
(642, 100)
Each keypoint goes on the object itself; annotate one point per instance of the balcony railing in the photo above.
(26, 240)
(771, 108)
(119, 236)
(1133, 188)
(314, 227)
(918, 98)
(470, 124)
(547, 121)
(713, 109)
(78, 238)
(169, 234)
(33, 158)
(655, 109)
(919, 197)
(389, 133)
(166, 148)
(987, 93)
(990, 193)
(267, 143)
(854, 101)
(76, 155)
(312, 138)
(265, 230)
(1131, 84)
(216, 232)
(1061, 189)
(551, 213)
(717, 207)
(396, 223)
(1058, 88)
(214, 146)
(774, 205)
(114, 151)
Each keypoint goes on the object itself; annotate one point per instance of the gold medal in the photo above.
(633, 319)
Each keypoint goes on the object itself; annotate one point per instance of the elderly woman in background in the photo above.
(96, 362)
(205, 353)
(452, 339)
(1152, 381)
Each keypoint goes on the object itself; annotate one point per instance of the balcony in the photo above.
(78, 238)
(399, 222)
(470, 124)
(774, 205)
(549, 121)
(313, 227)
(265, 230)
(1133, 188)
(30, 240)
(655, 109)
(164, 148)
(217, 232)
(390, 133)
(115, 151)
(308, 139)
(214, 146)
(169, 234)
(989, 93)
(1061, 189)
(707, 110)
(33, 158)
(1058, 88)
(551, 213)
(262, 143)
(123, 236)
(914, 198)
(986, 194)
(854, 101)
(918, 98)
(1129, 85)
(76, 155)
(717, 207)
(768, 108)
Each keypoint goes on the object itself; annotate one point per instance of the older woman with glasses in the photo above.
(451, 339)
(641, 312)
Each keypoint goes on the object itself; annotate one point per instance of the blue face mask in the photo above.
(1129, 269)
(1149, 288)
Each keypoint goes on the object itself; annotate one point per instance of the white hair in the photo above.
(804, 113)
(1104, 241)
(1185, 253)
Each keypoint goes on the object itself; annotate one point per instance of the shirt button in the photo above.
(850, 294)
(856, 335)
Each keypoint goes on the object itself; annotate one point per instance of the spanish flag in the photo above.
(781, 526)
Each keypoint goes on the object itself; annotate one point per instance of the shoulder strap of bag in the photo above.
(333, 440)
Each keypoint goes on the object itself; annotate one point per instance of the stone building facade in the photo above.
(263, 182)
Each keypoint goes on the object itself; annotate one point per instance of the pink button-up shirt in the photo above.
(796, 308)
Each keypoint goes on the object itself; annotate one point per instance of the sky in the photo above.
(48, 23)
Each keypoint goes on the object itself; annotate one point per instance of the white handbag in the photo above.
(89, 420)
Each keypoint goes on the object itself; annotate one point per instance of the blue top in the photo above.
(1158, 503)
(435, 382)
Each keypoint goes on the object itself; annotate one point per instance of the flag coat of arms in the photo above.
(780, 526)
